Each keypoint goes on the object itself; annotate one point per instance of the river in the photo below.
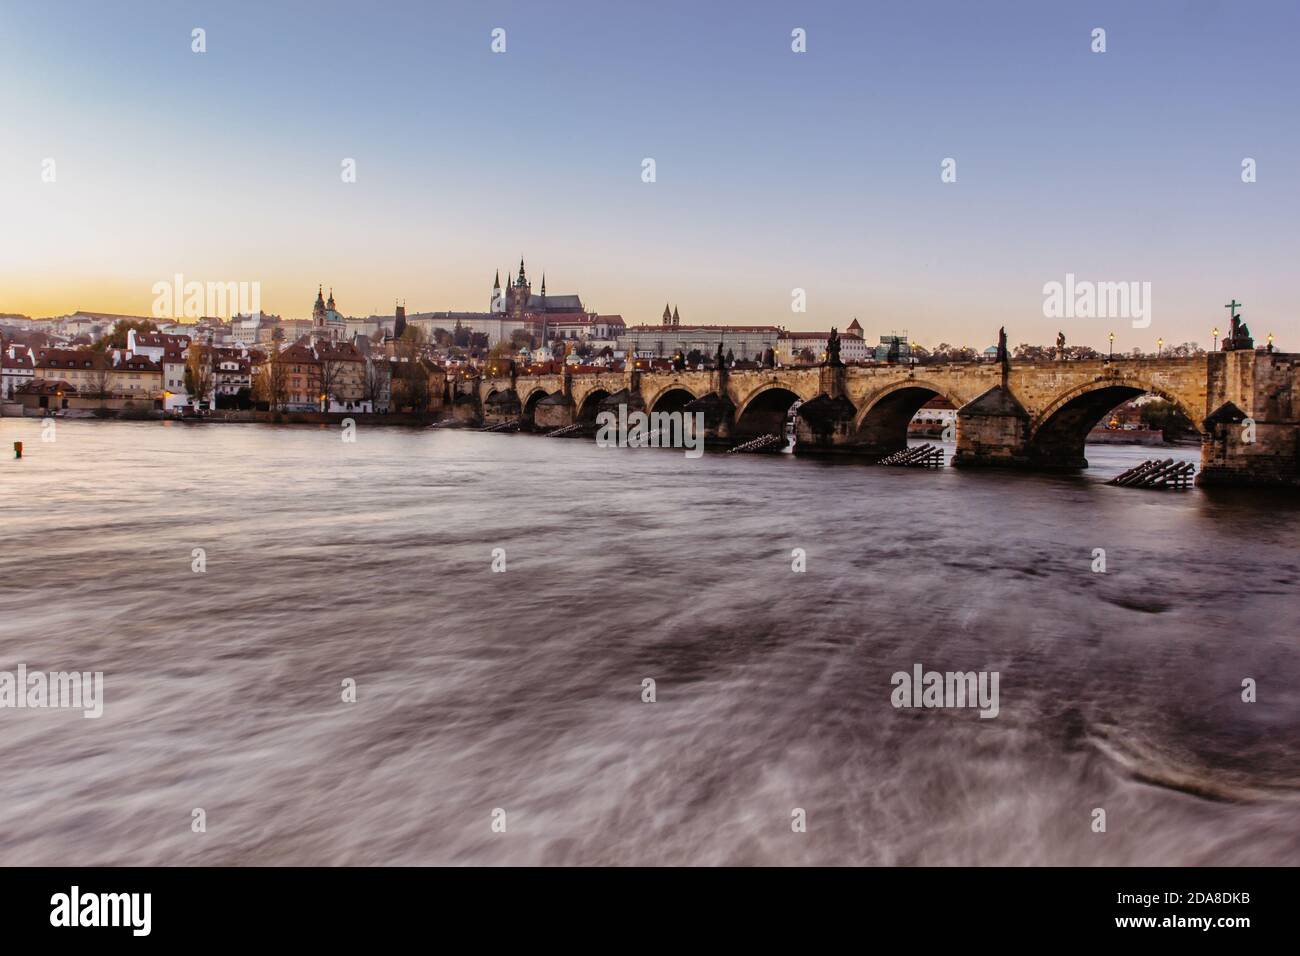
(479, 691)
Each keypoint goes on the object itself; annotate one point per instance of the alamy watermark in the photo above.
(923, 688)
(655, 430)
(1085, 299)
(180, 299)
(81, 690)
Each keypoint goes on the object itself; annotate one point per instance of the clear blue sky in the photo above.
(775, 170)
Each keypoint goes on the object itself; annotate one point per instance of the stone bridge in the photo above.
(1245, 403)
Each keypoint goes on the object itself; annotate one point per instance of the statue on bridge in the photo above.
(833, 350)
(769, 357)
(1004, 358)
(679, 361)
(1060, 345)
(1239, 335)
(719, 360)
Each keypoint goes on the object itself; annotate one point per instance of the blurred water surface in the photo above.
(522, 690)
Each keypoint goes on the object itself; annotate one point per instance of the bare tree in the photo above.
(271, 382)
(199, 375)
(101, 376)
(328, 376)
(377, 381)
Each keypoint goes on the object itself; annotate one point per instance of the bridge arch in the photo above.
(661, 389)
(764, 411)
(590, 405)
(1058, 434)
(671, 399)
(884, 415)
(529, 406)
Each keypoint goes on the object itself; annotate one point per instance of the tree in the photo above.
(100, 373)
(271, 382)
(502, 352)
(116, 339)
(1166, 417)
(519, 339)
(1031, 353)
(330, 371)
(199, 376)
(459, 335)
(806, 356)
(375, 387)
(442, 338)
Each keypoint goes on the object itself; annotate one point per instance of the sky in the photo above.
(774, 170)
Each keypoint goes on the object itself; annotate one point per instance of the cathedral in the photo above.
(517, 302)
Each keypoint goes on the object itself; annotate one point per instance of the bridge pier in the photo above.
(1252, 437)
(825, 425)
(993, 430)
(555, 411)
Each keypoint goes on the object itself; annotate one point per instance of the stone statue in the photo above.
(833, 349)
(719, 360)
(769, 357)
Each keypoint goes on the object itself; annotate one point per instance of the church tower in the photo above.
(498, 300)
(668, 316)
(517, 295)
(318, 310)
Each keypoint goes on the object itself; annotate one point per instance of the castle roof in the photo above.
(555, 303)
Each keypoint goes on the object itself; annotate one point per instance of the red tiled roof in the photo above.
(156, 339)
(819, 335)
(69, 358)
(42, 386)
(22, 361)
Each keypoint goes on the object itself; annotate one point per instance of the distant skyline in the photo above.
(775, 170)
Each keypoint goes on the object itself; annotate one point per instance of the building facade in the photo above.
(743, 342)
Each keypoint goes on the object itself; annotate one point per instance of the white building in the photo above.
(853, 347)
(153, 345)
(744, 342)
(17, 368)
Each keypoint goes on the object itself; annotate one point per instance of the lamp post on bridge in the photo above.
(1160, 347)
(1111, 354)
(1215, 332)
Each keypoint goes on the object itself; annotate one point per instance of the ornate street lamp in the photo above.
(1112, 347)
(1215, 332)
(1160, 347)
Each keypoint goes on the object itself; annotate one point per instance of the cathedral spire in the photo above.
(543, 283)
(521, 270)
(668, 316)
(496, 281)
